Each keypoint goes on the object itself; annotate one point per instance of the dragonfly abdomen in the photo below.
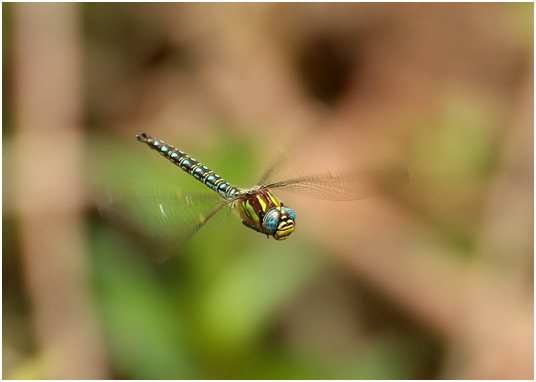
(190, 165)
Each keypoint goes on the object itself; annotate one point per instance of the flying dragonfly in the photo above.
(163, 214)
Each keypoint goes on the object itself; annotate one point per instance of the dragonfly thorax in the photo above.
(261, 211)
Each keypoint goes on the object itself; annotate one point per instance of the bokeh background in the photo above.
(434, 281)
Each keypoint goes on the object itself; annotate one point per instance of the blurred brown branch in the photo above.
(49, 201)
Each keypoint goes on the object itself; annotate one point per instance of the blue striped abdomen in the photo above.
(199, 171)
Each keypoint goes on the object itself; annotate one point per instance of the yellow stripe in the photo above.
(276, 202)
(284, 227)
(251, 212)
(283, 233)
(244, 208)
(261, 202)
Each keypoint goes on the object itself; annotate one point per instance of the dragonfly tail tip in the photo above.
(142, 137)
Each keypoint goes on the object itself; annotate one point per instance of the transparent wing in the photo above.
(287, 160)
(351, 184)
(289, 172)
(163, 219)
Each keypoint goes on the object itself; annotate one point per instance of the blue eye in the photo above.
(289, 212)
(270, 221)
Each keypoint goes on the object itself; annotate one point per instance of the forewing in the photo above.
(163, 219)
(350, 184)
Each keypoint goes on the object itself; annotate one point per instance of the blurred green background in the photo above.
(434, 281)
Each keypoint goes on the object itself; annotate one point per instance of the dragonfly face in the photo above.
(279, 222)
(261, 211)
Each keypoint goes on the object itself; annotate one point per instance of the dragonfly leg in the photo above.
(253, 227)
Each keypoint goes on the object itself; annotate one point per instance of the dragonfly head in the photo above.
(279, 222)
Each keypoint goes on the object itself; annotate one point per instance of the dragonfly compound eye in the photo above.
(270, 221)
(289, 212)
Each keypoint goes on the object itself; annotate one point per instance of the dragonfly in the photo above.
(170, 217)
